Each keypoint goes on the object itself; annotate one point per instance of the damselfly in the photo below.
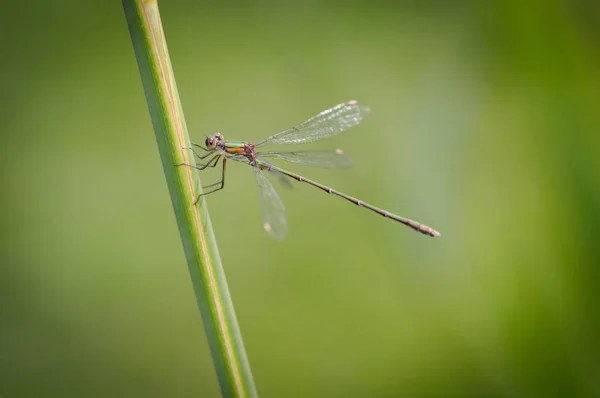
(324, 125)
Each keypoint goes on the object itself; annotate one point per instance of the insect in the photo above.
(324, 125)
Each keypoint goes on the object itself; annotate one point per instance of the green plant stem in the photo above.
(206, 271)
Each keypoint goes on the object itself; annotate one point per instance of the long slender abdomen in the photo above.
(424, 229)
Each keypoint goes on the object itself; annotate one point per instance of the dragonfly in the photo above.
(326, 124)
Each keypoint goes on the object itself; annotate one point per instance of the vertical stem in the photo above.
(204, 262)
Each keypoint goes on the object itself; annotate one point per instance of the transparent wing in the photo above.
(271, 206)
(326, 158)
(326, 124)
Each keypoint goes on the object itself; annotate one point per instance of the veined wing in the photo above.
(326, 124)
(271, 206)
(326, 158)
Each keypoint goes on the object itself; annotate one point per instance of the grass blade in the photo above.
(206, 271)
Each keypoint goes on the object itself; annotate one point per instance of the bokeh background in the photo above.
(485, 125)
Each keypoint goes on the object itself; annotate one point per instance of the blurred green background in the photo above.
(485, 125)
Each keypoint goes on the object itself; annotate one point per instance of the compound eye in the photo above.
(208, 142)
